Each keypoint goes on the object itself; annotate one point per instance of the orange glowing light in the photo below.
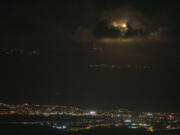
(124, 25)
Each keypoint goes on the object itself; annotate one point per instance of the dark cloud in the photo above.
(102, 30)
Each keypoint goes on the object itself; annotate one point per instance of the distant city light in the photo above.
(128, 121)
(133, 124)
(149, 114)
(64, 127)
(118, 115)
(60, 127)
(92, 113)
(133, 127)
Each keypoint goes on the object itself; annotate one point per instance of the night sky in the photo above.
(92, 54)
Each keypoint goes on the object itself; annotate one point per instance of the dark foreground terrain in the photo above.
(40, 130)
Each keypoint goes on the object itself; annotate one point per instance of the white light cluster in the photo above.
(60, 127)
(92, 113)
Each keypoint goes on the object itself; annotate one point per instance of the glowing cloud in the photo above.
(122, 26)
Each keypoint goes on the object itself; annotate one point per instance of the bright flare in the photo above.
(124, 25)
